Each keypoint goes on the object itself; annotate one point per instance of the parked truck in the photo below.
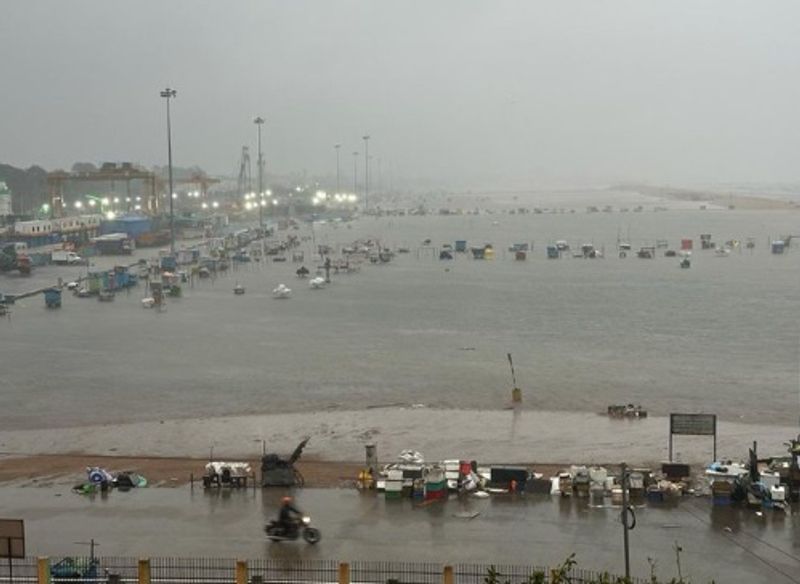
(65, 258)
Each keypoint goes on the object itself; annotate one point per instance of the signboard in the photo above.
(693, 424)
(12, 538)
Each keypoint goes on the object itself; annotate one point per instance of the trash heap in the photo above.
(99, 479)
(767, 483)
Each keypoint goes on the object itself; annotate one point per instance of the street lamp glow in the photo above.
(127, 199)
(45, 207)
(275, 202)
(105, 201)
(215, 204)
(92, 203)
(269, 193)
(111, 215)
(78, 204)
(137, 208)
(204, 205)
(174, 195)
(116, 200)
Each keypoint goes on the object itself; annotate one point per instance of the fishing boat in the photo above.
(282, 291)
(722, 252)
(686, 263)
(238, 289)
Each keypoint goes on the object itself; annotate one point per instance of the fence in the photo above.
(121, 570)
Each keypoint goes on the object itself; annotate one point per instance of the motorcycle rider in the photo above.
(288, 516)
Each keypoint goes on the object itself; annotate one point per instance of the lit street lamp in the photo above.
(168, 94)
(259, 121)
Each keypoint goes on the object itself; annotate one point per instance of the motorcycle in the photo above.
(276, 532)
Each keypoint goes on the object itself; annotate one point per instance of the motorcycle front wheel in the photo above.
(311, 535)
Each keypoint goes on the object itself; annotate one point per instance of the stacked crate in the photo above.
(435, 484)
(452, 474)
(721, 492)
(394, 484)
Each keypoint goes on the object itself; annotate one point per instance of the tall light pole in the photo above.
(259, 121)
(355, 172)
(169, 94)
(337, 146)
(366, 172)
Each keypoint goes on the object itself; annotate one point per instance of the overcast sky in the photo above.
(523, 93)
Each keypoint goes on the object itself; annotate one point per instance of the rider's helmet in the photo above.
(287, 500)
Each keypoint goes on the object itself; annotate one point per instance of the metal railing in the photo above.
(171, 570)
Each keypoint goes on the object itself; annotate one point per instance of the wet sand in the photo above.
(47, 470)
(168, 451)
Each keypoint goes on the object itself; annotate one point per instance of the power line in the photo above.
(748, 550)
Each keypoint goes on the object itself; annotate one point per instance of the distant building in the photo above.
(5, 200)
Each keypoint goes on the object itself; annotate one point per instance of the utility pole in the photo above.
(355, 172)
(366, 172)
(259, 121)
(625, 527)
(169, 94)
(337, 147)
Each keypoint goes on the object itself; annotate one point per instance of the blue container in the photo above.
(52, 298)
(552, 252)
(721, 501)
(778, 247)
(461, 245)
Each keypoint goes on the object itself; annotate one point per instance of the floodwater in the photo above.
(721, 337)
(725, 544)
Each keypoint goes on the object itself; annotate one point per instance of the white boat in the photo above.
(282, 291)
(316, 283)
(722, 252)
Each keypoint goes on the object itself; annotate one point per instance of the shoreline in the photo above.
(54, 470)
(337, 441)
(710, 197)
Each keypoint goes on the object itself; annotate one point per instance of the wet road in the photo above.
(724, 544)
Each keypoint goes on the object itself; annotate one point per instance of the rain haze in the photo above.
(491, 251)
(457, 93)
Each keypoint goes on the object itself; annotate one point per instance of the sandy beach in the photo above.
(168, 451)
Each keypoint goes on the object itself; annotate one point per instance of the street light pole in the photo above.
(366, 172)
(625, 512)
(355, 172)
(259, 121)
(337, 146)
(169, 94)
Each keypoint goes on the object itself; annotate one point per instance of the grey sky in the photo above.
(518, 93)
